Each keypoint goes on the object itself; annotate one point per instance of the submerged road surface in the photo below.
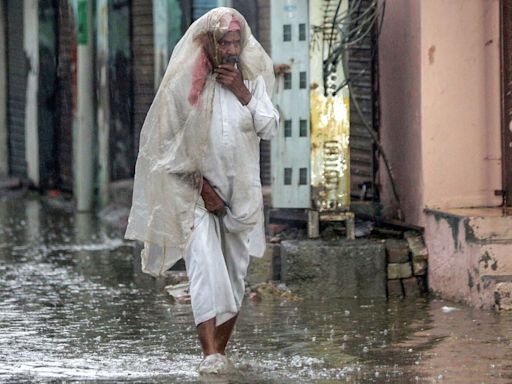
(74, 307)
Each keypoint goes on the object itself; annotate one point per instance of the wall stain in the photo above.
(485, 259)
(431, 52)
(471, 283)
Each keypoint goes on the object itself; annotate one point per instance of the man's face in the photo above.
(229, 47)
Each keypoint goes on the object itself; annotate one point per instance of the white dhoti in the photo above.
(216, 262)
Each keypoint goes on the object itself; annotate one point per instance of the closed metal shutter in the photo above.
(16, 92)
(361, 75)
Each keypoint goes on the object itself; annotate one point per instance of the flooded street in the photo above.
(75, 307)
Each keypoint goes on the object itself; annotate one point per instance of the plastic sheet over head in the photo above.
(174, 137)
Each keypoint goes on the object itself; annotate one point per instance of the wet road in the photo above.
(74, 307)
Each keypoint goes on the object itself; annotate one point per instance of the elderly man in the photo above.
(197, 190)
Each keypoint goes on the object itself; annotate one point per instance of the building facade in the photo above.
(445, 89)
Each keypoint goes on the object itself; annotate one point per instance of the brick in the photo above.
(411, 287)
(397, 251)
(419, 267)
(399, 271)
(416, 245)
(395, 289)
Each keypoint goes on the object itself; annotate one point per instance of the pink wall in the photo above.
(440, 93)
(400, 85)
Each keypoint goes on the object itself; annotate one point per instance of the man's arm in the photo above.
(265, 116)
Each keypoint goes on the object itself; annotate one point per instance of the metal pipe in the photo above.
(83, 134)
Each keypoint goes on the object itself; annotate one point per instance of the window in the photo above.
(303, 128)
(302, 32)
(287, 128)
(303, 176)
(287, 80)
(302, 84)
(287, 32)
(287, 176)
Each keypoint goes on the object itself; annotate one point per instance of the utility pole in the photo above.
(83, 134)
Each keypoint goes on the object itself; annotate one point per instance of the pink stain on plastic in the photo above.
(200, 72)
(234, 25)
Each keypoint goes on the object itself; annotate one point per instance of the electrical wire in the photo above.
(353, 26)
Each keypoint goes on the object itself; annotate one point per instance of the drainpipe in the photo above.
(103, 102)
(31, 48)
(83, 133)
(4, 166)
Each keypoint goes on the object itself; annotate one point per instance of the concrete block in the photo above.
(339, 268)
(419, 267)
(395, 289)
(261, 268)
(397, 251)
(399, 271)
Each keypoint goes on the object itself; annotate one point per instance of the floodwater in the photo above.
(74, 307)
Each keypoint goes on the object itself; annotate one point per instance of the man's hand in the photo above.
(212, 202)
(231, 78)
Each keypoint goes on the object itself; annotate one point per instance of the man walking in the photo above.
(197, 189)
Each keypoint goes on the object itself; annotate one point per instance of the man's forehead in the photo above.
(231, 36)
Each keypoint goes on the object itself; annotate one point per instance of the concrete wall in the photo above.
(460, 61)
(440, 92)
(469, 255)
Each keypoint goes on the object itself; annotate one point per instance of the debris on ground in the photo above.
(180, 293)
(174, 277)
(271, 289)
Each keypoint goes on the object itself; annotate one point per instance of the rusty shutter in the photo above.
(16, 88)
(361, 74)
(506, 23)
(143, 63)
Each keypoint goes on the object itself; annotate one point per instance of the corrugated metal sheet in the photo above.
(361, 75)
(507, 101)
(16, 84)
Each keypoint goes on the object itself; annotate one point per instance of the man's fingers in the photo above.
(225, 72)
(227, 67)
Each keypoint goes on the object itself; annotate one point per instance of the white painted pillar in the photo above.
(83, 132)
(103, 109)
(4, 159)
(31, 47)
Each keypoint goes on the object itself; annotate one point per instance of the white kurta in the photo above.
(217, 256)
